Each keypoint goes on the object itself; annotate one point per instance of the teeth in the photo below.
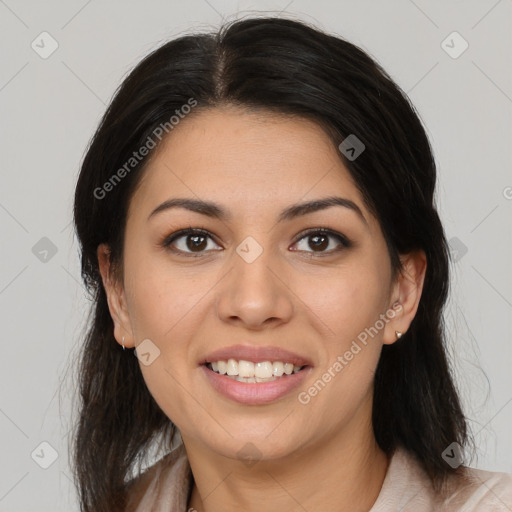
(222, 367)
(263, 370)
(247, 371)
(278, 368)
(252, 380)
(232, 367)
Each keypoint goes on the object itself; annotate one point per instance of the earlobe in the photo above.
(407, 292)
(115, 298)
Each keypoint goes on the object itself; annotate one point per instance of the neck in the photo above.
(342, 473)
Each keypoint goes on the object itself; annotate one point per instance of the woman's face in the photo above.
(259, 282)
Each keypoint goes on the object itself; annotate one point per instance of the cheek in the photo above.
(350, 305)
(349, 301)
(165, 307)
(160, 300)
(163, 313)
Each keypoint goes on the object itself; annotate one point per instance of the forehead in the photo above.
(250, 161)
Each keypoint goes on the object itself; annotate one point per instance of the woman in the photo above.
(257, 225)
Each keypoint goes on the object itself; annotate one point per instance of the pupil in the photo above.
(194, 245)
(321, 245)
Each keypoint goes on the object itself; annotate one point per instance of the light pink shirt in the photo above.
(164, 487)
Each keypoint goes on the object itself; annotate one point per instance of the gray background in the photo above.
(50, 108)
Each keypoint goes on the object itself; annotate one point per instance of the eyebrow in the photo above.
(214, 210)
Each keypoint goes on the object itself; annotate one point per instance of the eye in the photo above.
(194, 241)
(191, 240)
(319, 239)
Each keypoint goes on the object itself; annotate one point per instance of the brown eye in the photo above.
(318, 240)
(188, 241)
(196, 242)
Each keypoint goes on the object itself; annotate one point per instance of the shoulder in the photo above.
(162, 486)
(408, 488)
(481, 490)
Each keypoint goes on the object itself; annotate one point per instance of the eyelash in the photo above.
(168, 240)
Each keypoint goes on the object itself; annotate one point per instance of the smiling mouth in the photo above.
(251, 373)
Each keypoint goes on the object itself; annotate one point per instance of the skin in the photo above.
(309, 301)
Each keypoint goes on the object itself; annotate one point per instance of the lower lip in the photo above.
(258, 393)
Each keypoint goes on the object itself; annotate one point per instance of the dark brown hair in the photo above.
(288, 67)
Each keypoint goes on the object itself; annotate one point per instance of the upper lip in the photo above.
(256, 355)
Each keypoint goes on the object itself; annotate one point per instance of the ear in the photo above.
(116, 299)
(406, 294)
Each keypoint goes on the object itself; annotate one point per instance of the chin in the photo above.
(251, 448)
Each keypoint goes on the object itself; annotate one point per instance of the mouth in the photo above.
(251, 372)
(255, 375)
(254, 383)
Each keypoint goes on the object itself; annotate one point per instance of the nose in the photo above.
(255, 294)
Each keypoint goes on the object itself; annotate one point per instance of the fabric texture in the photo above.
(166, 487)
